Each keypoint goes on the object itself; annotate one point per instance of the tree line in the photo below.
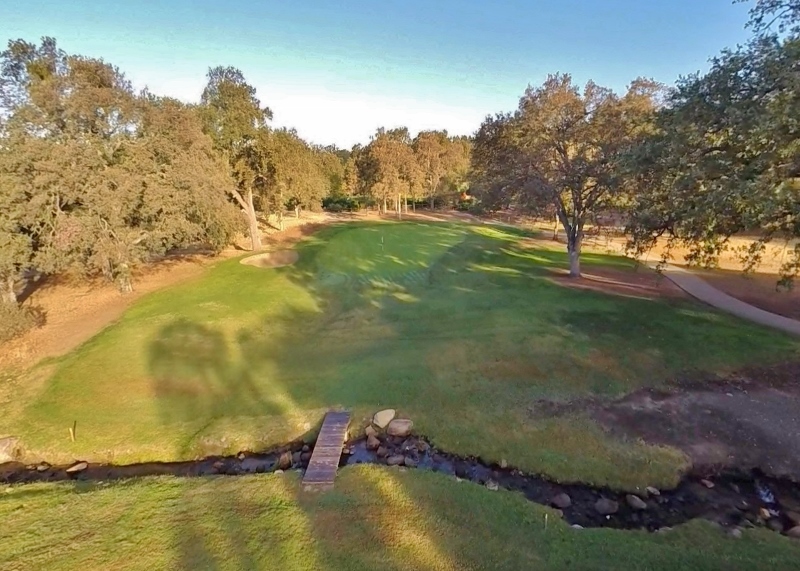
(714, 156)
(97, 178)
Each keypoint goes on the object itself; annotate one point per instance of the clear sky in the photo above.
(337, 70)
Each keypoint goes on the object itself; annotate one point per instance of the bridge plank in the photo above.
(324, 462)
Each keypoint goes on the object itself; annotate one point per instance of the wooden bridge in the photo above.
(324, 461)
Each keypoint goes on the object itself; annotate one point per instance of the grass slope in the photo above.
(377, 518)
(460, 327)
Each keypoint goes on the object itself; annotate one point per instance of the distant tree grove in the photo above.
(97, 178)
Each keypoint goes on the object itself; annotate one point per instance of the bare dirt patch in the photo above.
(272, 259)
(749, 421)
(77, 311)
(642, 283)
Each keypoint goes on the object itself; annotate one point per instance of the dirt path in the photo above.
(697, 287)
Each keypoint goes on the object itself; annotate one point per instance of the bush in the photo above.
(342, 203)
(16, 320)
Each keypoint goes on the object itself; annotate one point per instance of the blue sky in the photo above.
(338, 70)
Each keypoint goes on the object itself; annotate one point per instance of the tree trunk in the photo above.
(397, 206)
(555, 230)
(280, 220)
(433, 202)
(7, 293)
(297, 211)
(252, 223)
(385, 206)
(124, 279)
(574, 250)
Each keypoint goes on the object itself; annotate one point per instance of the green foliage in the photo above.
(340, 203)
(724, 158)
(560, 152)
(95, 177)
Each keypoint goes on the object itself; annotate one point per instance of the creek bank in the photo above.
(734, 501)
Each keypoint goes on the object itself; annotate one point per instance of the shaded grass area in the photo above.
(376, 518)
(459, 327)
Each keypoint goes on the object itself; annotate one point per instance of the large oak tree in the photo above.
(561, 150)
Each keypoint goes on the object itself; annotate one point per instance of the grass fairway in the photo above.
(459, 327)
(377, 518)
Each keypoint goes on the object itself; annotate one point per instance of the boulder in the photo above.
(794, 517)
(775, 525)
(794, 532)
(43, 467)
(305, 457)
(395, 460)
(370, 431)
(561, 501)
(423, 446)
(10, 449)
(635, 502)
(400, 427)
(604, 506)
(492, 485)
(285, 461)
(296, 458)
(382, 452)
(707, 483)
(77, 467)
(503, 463)
(411, 462)
(653, 491)
(372, 442)
(735, 533)
(384, 417)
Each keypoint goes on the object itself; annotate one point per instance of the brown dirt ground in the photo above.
(643, 283)
(757, 289)
(271, 259)
(750, 420)
(77, 311)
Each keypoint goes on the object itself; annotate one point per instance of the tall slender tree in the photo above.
(233, 116)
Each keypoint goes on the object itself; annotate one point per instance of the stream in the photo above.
(729, 499)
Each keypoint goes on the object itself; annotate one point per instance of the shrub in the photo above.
(16, 320)
(342, 203)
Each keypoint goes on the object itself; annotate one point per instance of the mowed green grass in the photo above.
(376, 518)
(459, 327)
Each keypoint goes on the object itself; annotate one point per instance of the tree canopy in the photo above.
(723, 158)
(561, 151)
(96, 178)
